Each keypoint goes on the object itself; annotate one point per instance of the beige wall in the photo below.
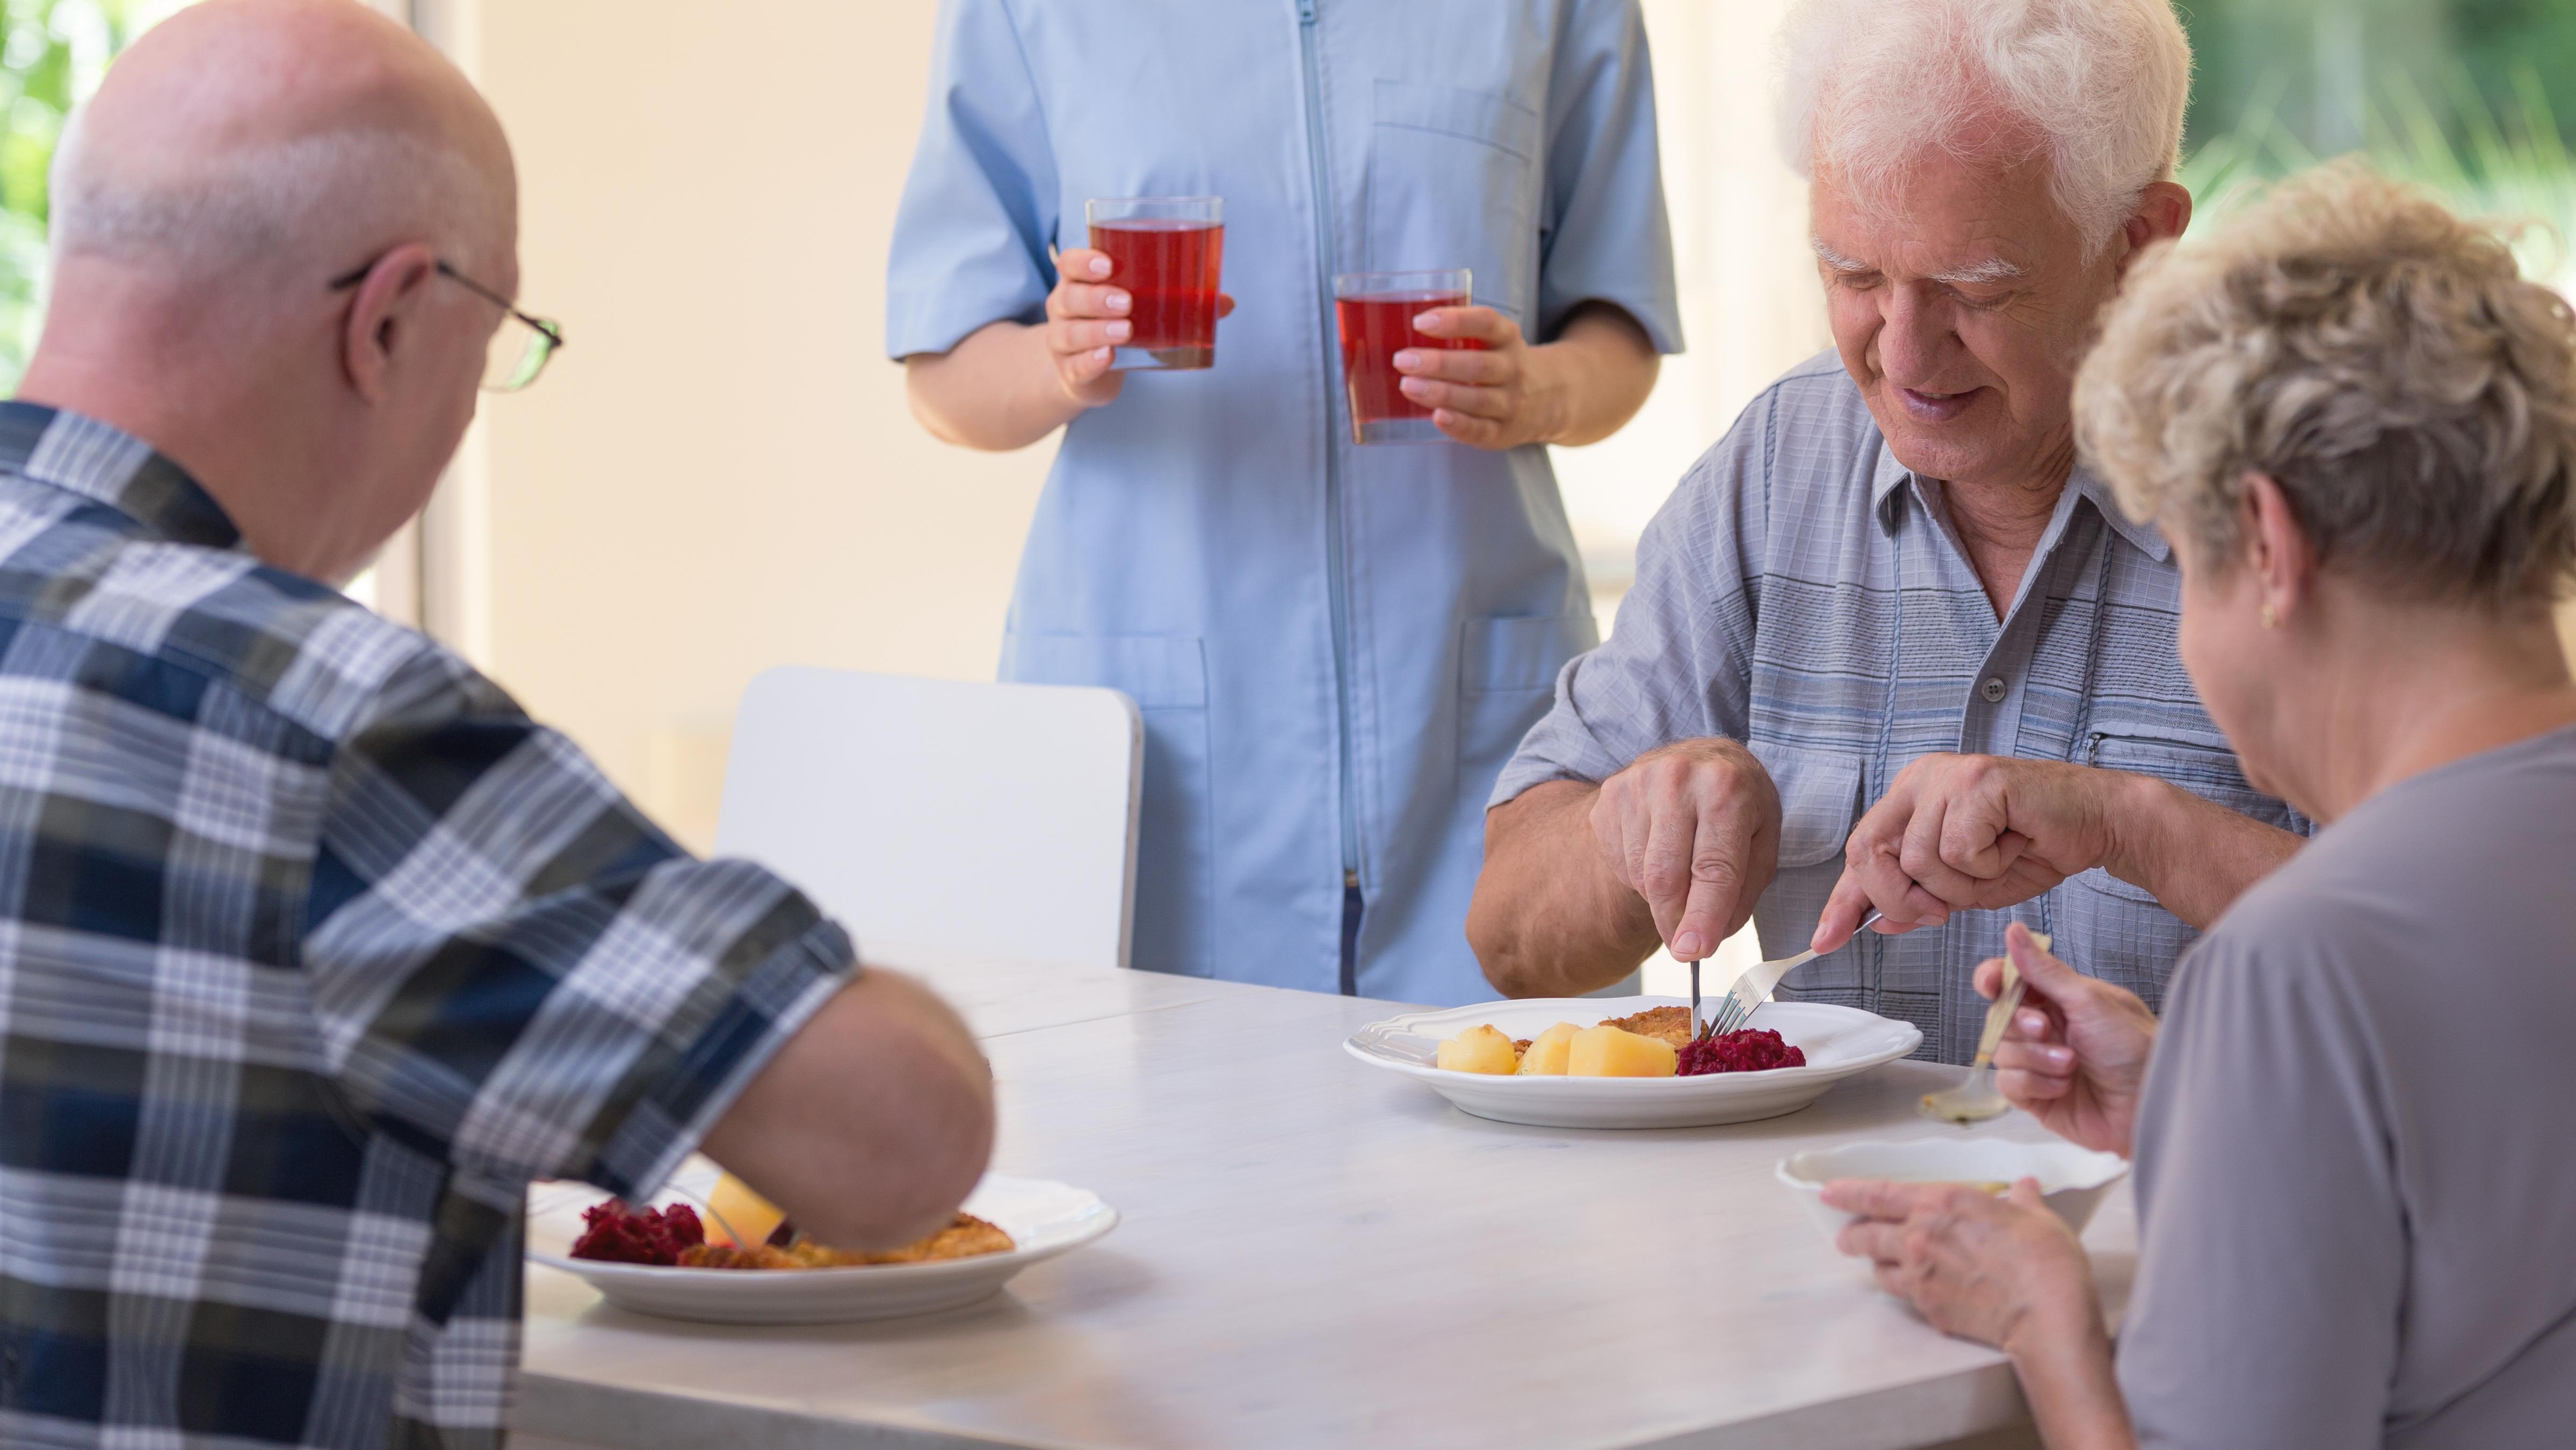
(719, 474)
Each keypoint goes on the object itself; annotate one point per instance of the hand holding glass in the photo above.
(1166, 253)
(1377, 311)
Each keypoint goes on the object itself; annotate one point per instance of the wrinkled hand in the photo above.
(1694, 828)
(1980, 1266)
(2075, 1055)
(1086, 323)
(1962, 832)
(1489, 398)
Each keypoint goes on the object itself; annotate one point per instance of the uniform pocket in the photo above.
(1166, 675)
(1819, 800)
(1453, 181)
(1507, 668)
(2209, 771)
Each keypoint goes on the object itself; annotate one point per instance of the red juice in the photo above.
(1169, 271)
(1374, 329)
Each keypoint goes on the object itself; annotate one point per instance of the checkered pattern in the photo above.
(1802, 593)
(314, 950)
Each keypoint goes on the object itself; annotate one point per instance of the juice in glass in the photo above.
(1165, 252)
(1376, 312)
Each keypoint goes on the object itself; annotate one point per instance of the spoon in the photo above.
(1976, 1098)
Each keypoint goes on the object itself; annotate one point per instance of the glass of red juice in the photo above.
(1165, 253)
(1376, 310)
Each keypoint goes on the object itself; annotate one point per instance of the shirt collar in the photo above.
(1888, 477)
(102, 462)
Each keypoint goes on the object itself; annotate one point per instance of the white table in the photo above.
(1315, 1253)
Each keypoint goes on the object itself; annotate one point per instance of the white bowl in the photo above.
(1043, 1218)
(2072, 1180)
(1840, 1042)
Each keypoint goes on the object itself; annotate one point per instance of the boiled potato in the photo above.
(1480, 1049)
(1547, 1051)
(1615, 1052)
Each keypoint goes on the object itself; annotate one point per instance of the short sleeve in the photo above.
(1608, 237)
(979, 207)
(1678, 662)
(514, 971)
(2271, 1263)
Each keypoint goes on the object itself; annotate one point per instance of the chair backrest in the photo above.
(940, 820)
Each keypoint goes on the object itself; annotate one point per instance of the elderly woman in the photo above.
(2355, 1158)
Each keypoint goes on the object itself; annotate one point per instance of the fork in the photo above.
(1754, 988)
(1976, 1098)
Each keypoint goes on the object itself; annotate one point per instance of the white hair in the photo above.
(310, 200)
(2100, 85)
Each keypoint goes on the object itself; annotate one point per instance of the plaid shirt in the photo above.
(314, 950)
(1802, 593)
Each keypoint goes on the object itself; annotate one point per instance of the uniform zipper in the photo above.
(1336, 569)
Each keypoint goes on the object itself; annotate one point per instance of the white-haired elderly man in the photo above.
(1889, 582)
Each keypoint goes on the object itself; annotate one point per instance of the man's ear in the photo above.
(2163, 211)
(2276, 547)
(383, 315)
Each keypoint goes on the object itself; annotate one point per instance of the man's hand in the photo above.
(1962, 832)
(2075, 1055)
(2002, 1270)
(1694, 828)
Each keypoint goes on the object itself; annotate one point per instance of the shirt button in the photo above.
(1992, 689)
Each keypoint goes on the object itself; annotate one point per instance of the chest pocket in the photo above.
(1453, 181)
(2208, 771)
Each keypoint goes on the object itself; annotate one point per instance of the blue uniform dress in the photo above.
(1335, 648)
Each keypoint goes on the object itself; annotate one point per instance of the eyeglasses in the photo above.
(516, 355)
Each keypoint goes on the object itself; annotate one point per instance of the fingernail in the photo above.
(1118, 301)
(1407, 361)
(2033, 1022)
(2061, 1057)
(1414, 388)
(1687, 945)
(1100, 354)
(1119, 331)
(1100, 266)
(1426, 322)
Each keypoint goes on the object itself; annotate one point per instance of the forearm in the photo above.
(1548, 918)
(2195, 856)
(997, 390)
(2067, 1378)
(1596, 375)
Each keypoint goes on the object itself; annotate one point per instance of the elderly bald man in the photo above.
(314, 949)
(1891, 583)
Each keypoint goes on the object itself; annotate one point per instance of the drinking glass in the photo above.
(1165, 252)
(1376, 311)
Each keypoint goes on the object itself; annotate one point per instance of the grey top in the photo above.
(2356, 1155)
(1803, 593)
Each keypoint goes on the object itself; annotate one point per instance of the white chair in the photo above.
(943, 821)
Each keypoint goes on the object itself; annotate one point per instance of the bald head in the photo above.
(266, 140)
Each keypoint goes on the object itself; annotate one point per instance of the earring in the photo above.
(2271, 617)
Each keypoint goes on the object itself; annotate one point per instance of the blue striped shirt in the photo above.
(1801, 592)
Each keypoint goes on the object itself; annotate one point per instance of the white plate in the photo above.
(1045, 1219)
(1839, 1042)
(2072, 1180)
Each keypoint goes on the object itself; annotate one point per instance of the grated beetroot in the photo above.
(1751, 1050)
(623, 1235)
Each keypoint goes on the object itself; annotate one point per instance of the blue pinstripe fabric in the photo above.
(1802, 593)
(314, 950)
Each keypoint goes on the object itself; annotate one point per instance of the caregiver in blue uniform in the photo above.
(1335, 647)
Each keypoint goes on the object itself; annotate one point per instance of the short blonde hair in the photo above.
(2381, 359)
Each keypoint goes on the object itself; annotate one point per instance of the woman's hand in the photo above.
(1489, 397)
(1998, 1269)
(1087, 322)
(2075, 1055)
